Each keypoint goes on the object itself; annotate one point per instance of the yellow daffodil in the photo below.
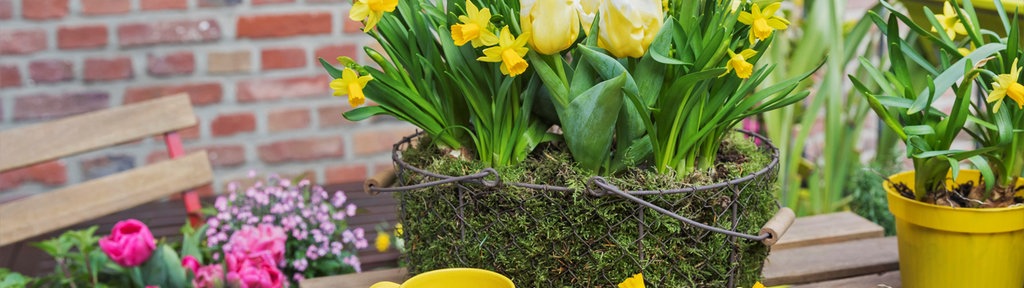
(351, 84)
(965, 51)
(637, 281)
(763, 22)
(950, 22)
(398, 230)
(371, 11)
(383, 242)
(739, 63)
(509, 52)
(758, 285)
(1007, 85)
(475, 27)
(538, 17)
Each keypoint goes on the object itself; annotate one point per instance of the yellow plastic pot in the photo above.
(453, 278)
(957, 247)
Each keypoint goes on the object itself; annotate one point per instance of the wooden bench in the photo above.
(38, 214)
(831, 250)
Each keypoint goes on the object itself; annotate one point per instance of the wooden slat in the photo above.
(28, 145)
(831, 261)
(358, 280)
(887, 279)
(46, 212)
(828, 228)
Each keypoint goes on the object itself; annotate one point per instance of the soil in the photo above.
(968, 195)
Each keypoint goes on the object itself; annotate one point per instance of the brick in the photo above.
(331, 52)
(218, 3)
(10, 76)
(190, 133)
(48, 106)
(331, 116)
(102, 7)
(350, 26)
(288, 119)
(283, 58)
(177, 63)
(106, 165)
(48, 173)
(6, 9)
(147, 5)
(229, 62)
(200, 93)
(49, 71)
(376, 141)
(231, 124)
(22, 41)
(108, 69)
(306, 149)
(274, 89)
(265, 2)
(79, 37)
(283, 25)
(220, 155)
(164, 32)
(353, 173)
(44, 9)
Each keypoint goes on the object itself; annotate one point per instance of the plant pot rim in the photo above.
(966, 220)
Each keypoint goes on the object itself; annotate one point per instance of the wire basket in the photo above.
(550, 236)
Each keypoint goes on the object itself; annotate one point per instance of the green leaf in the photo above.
(334, 72)
(986, 173)
(956, 70)
(589, 121)
(363, 113)
(919, 130)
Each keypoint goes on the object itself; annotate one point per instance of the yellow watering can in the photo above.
(453, 278)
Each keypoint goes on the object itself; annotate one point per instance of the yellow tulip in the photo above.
(1007, 85)
(554, 24)
(351, 84)
(627, 27)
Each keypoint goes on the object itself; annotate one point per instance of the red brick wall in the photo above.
(250, 66)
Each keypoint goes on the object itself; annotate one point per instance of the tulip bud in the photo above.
(627, 27)
(553, 24)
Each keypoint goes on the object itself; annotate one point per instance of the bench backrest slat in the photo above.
(51, 140)
(42, 213)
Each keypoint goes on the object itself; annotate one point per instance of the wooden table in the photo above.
(831, 250)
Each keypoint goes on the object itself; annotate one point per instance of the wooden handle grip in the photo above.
(778, 225)
(384, 178)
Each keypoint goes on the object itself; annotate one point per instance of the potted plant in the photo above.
(955, 227)
(557, 127)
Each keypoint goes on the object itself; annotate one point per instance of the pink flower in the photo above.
(129, 244)
(255, 271)
(264, 238)
(209, 276)
(190, 263)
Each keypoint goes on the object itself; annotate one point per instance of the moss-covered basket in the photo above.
(551, 238)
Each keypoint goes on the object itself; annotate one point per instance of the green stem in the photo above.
(1015, 160)
(929, 176)
(136, 275)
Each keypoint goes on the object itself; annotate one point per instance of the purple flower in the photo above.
(339, 199)
(300, 264)
(351, 210)
(354, 262)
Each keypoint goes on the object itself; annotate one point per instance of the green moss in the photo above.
(562, 239)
